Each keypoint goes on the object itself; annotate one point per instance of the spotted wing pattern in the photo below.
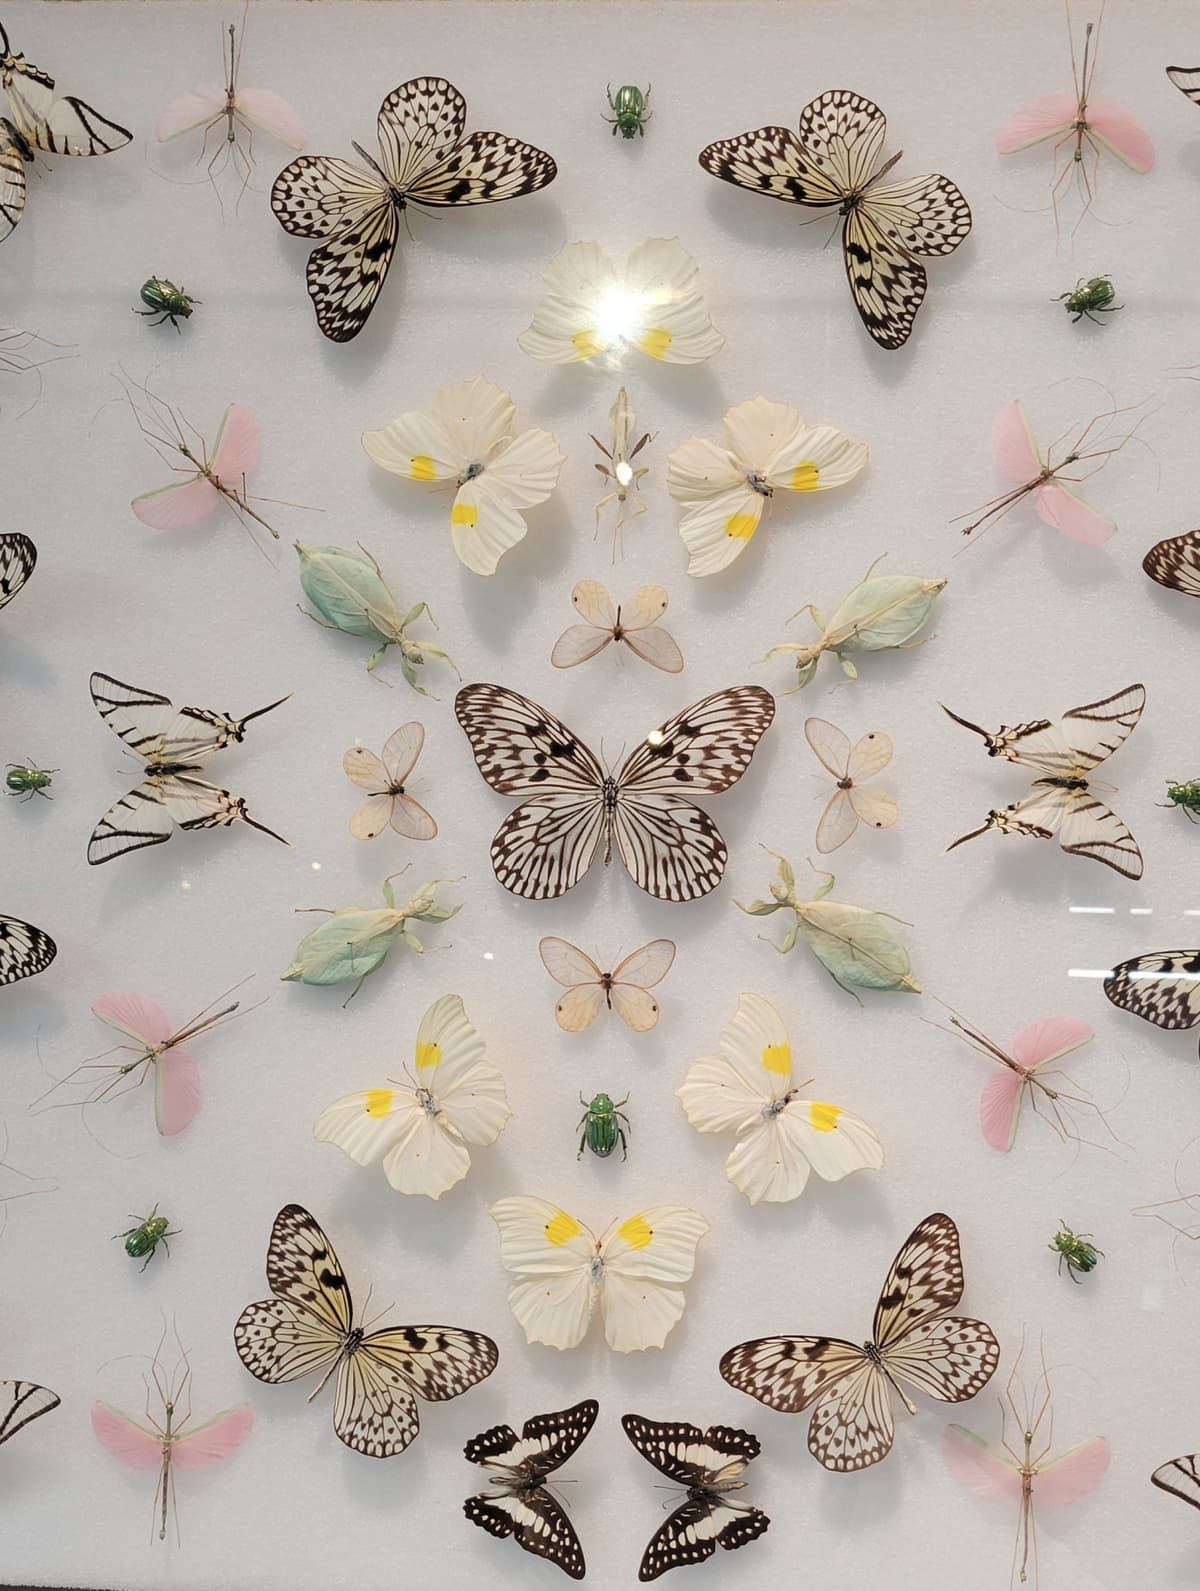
(1162, 986)
(24, 950)
(1175, 563)
(18, 555)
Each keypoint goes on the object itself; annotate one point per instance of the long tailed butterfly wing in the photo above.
(24, 950)
(1162, 987)
(21, 1402)
(18, 555)
(59, 126)
(1180, 1477)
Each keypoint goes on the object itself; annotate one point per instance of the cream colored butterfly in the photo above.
(421, 1132)
(850, 804)
(748, 1089)
(562, 1272)
(628, 622)
(723, 490)
(625, 990)
(467, 440)
(384, 778)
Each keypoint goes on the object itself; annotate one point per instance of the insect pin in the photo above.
(1185, 795)
(26, 780)
(1074, 1249)
(164, 299)
(629, 110)
(602, 1126)
(1091, 297)
(142, 1239)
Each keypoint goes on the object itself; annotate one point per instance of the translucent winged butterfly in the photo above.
(1162, 987)
(916, 1341)
(625, 990)
(385, 779)
(520, 1505)
(834, 165)
(850, 804)
(308, 1326)
(18, 555)
(21, 1402)
(671, 848)
(24, 950)
(426, 157)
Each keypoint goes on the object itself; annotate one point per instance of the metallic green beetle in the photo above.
(165, 300)
(1074, 1249)
(601, 1123)
(630, 114)
(1186, 795)
(144, 1238)
(26, 780)
(1091, 298)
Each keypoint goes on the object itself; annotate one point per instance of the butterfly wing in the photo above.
(790, 1373)
(213, 1440)
(128, 1442)
(1066, 511)
(1174, 563)
(696, 1529)
(1121, 133)
(272, 115)
(12, 188)
(1180, 1477)
(1049, 116)
(1048, 1040)
(579, 974)
(535, 1521)
(148, 814)
(729, 1092)
(304, 1327)
(987, 1471)
(152, 727)
(486, 520)
(1084, 824)
(720, 510)
(134, 1015)
(550, 1254)
(1000, 1107)
(1073, 1474)
(18, 555)
(176, 1090)
(1013, 444)
(633, 979)
(450, 1065)
(523, 1508)
(235, 448)
(881, 238)
(22, 1401)
(1162, 987)
(645, 1260)
(772, 161)
(424, 152)
(830, 744)
(59, 126)
(1187, 80)
(24, 950)
(197, 108)
(177, 505)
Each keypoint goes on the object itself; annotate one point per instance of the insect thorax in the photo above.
(609, 795)
(758, 483)
(162, 770)
(873, 1354)
(428, 1103)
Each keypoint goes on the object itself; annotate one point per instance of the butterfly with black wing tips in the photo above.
(834, 163)
(1175, 563)
(309, 1326)
(18, 555)
(914, 1339)
(521, 1506)
(21, 1402)
(710, 1464)
(671, 848)
(24, 950)
(1180, 1477)
(1162, 986)
(425, 158)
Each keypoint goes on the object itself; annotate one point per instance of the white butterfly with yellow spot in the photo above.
(467, 440)
(850, 804)
(384, 779)
(748, 1089)
(562, 1271)
(723, 490)
(421, 1133)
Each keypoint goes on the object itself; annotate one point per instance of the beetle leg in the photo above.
(624, 1145)
(582, 1144)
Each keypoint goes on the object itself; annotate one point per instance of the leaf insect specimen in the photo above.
(173, 742)
(1075, 1250)
(625, 990)
(630, 623)
(1090, 298)
(356, 939)
(1185, 796)
(26, 779)
(670, 847)
(850, 804)
(18, 555)
(351, 595)
(834, 167)
(915, 1341)
(142, 1240)
(385, 778)
(620, 468)
(164, 299)
(709, 1465)
(24, 950)
(857, 947)
(425, 158)
(21, 1402)
(1066, 755)
(519, 1503)
(1162, 986)
(308, 1326)
(1175, 562)
(630, 110)
(40, 121)
(1025, 1469)
(604, 1125)
(171, 1442)
(1180, 1476)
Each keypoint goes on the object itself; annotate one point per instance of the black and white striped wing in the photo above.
(21, 1402)
(12, 178)
(1180, 1477)
(546, 1442)
(535, 1521)
(59, 126)
(1086, 736)
(770, 160)
(1085, 827)
(304, 1326)
(1162, 987)
(1187, 80)
(151, 811)
(154, 728)
(24, 950)
(696, 1529)
(1175, 562)
(521, 1506)
(18, 555)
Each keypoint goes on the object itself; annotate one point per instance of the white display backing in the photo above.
(1029, 625)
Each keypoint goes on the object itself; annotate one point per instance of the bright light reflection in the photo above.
(185, 883)
(655, 737)
(1140, 911)
(1088, 972)
(316, 866)
(618, 314)
(1094, 910)
(488, 956)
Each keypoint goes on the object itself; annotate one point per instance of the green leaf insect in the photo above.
(1075, 1250)
(604, 1125)
(1091, 298)
(629, 112)
(350, 594)
(142, 1239)
(26, 780)
(882, 612)
(1185, 795)
(857, 947)
(164, 299)
(356, 939)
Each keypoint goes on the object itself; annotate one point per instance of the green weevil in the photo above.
(630, 114)
(1074, 1249)
(1185, 795)
(144, 1238)
(1091, 298)
(602, 1126)
(26, 780)
(165, 300)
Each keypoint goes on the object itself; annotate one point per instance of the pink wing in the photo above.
(273, 115)
(986, 1470)
(130, 1443)
(1074, 1475)
(235, 451)
(177, 506)
(1121, 132)
(135, 1015)
(196, 108)
(209, 1443)
(1059, 506)
(176, 1090)
(1015, 450)
(999, 1107)
(1040, 118)
(1046, 1040)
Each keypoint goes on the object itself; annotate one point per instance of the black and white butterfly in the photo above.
(520, 1504)
(1180, 1477)
(1062, 804)
(710, 1465)
(672, 849)
(22, 1401)
(1175, 563)
(1162, 987)
(18, 556)
(834, 164)
(39, 119)
(24, 950)
(173, 741)
(1187, 80)
(309, 1326)
(914, 1340)
(425, 158)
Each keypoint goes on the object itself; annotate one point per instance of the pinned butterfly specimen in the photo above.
(1180, 1477)
(709, 1465)
(593, 307)
(747, 1089)
(18, 555)
(425, 158)
(40, 121)
(21, 1402)
(520, 1504)
(1025, 1469)
(670, 847)
(833, 166)
(466, 440)
(1062, 804)
(1175, 562)
(308, 1326)
(625, 990)
(24, 950)
(724, 490)
(916, 1342)
(1187, 80)
(356, 939)
(1162, 986)
(421, 1132)
(172, 1443)
(605, 622)
(384, 778)
(620, 468)
(173, 742)
(634, 1272)
(850, 804)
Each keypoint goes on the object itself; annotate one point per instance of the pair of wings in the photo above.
(1174, 563)
(1019, 459)
(23, 1401)
(625, 990)
(521, 1506)
(181, 504)
(634, 1272)
(1034, 1049)
(605, 622)
(389, 804)
(260, 109)
(747, 1089)
(308, 1326)
(916, 1341)
(24, 950)
(195, 1447)
(18, 555)
(176, 1075)
(708, 1464)
(425, 158)
(1162, 986)
(1062, 116)
(990, 1471)
(670, 847)
(850, 804)
(834, 163)
(1086, 737)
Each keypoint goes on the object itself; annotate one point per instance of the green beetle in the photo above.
(602, 1126)
(629, 110)
(1186, 795)
(26, 780)
(144, 1238)
(1091, 298)
(1074, 1249)
(165, 300)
